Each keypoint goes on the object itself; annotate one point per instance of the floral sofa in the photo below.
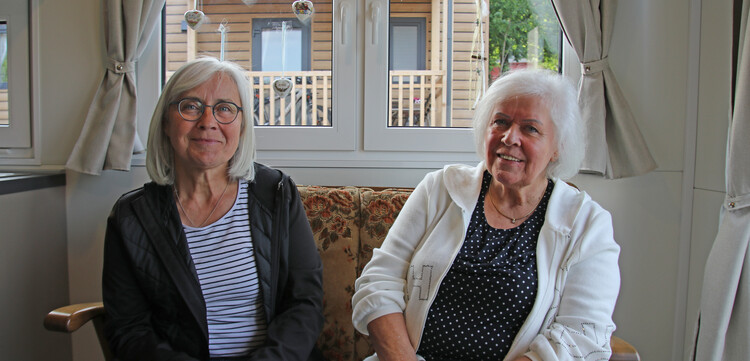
(347, 223)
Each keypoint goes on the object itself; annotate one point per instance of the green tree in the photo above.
(510, 22)
(4, 71)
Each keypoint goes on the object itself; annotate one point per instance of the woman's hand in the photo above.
(390, 339)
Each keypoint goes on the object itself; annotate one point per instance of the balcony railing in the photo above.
(4, 117)
(416, 99)
(308, 104)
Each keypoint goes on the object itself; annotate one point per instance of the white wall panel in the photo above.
(648, 56)
(645, 212)
(32, 273)
(714, 93)
(90, 199)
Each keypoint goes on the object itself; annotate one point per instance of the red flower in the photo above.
(343, 199)
(337, 225)
(318, 205)
(381, 210)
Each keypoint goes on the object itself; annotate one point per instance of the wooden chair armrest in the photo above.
(70, 318)
(623, 351)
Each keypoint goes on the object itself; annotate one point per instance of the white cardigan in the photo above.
(578, 275)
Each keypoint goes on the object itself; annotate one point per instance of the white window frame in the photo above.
(19, 142)
(380, 137)
(341, 135)
(359, 137)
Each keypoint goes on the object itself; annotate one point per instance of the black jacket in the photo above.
(155, 307)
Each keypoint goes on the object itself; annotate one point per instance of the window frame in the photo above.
(359, 137)
(19, 141)
(341, 135)
(381, 137)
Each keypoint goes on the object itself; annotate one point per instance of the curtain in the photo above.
(109, 138)
(615, 147)
(724, 323)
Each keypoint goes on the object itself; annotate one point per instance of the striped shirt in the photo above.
(225, 262)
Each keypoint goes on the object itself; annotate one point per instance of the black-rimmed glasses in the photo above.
(192, 109)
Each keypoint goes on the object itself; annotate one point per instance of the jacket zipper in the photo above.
(437, 287)
(275, 238)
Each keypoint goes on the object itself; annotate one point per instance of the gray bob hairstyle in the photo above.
(558, 95)
(160, 155)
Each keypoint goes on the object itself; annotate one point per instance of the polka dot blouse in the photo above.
(489, 290)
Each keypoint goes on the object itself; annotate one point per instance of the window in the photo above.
(267, 45)
(407, 47)
(306, 118)
(425, 63)
(15, 103)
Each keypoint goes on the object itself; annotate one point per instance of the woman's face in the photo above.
(205, 144)
(520, 141)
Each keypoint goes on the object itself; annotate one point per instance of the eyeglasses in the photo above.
(192, 109)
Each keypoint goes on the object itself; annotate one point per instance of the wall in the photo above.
(33, 273)
(712, 112)
(652, 54)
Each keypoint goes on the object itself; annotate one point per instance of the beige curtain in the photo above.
(615, 146)
(109, 138)
(724, 322)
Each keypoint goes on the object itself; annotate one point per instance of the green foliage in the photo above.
(510, 22)
(4, 71)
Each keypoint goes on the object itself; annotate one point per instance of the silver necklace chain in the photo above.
(192, 224)
(512, 219)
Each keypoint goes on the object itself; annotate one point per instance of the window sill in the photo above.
(22, 182)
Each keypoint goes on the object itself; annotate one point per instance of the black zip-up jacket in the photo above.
(155, 307)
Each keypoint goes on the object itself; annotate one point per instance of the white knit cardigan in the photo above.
(578, 275)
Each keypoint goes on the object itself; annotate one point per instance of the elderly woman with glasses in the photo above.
(213, 259)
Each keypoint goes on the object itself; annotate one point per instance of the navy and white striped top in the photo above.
(225, 262)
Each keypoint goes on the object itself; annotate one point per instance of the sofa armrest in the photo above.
(70, 318)
(623, 351)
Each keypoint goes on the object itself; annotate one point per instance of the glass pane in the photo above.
(4, 108)
(273, 53)
(468, 43)
(254, 40)
(404, 45)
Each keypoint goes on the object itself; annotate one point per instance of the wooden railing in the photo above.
(4, 114)
(308, 104)
(417, 98)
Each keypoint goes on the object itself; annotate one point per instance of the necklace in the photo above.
(177, 195)
(512, 220)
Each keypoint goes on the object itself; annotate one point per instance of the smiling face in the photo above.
(204, 144)
(520, 141)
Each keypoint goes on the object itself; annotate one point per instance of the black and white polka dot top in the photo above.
(489, 290)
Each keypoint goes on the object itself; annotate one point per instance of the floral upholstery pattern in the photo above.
(347, 223)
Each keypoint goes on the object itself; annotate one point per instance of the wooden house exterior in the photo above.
(416, 95)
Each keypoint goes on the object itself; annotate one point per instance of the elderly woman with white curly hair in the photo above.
(504, 260)
(214, 259)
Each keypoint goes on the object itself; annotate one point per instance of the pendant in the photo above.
(194, 18)
(282, 86)
(303, 9)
